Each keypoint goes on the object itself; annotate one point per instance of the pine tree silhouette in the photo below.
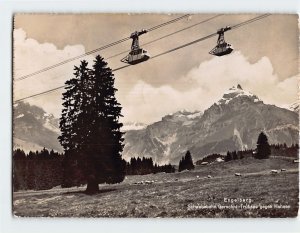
(234, 155)
(263, 147)
(90, 125)
(189, 165)
(228, 157)
(186, 163)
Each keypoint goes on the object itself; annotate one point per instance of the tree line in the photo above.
(262, 151)
(46, 169)
(138, 166)
(37, 170)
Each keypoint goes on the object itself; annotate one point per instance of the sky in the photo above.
(264, 60)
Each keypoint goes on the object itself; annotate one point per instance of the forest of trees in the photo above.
(44, 170)
(37, 170)
(138, 166)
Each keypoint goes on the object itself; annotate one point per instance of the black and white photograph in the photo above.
(155, 115)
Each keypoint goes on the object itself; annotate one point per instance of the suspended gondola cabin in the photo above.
(222, 48)
(137, 54)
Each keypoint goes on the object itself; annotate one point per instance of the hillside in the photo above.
(174, 195)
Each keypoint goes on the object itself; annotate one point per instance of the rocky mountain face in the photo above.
(34, 129)
(233, 123)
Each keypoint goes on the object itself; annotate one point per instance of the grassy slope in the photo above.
(170, 194)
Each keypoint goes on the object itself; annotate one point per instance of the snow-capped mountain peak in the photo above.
(237, 91)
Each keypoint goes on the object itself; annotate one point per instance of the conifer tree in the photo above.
(263, 148)
(189, 165)
(186, 163)
(234, 155)
(180, 167)
(90, 125)
(228, 157)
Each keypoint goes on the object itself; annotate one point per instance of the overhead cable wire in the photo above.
(97, 49)
(158, 55)
(165, 36)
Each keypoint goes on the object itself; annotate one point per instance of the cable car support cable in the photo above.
(170, 34)
(158, 55)
(97, 49)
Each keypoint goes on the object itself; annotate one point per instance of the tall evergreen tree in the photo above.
(234, 155)
(228, 157)
(180, 167)
(186, 163)
(90, 125)
(189, 164)
(19, 154)
(263, 148)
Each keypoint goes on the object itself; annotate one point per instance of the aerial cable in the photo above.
(98, 49)
(158, 55)
(165, 36)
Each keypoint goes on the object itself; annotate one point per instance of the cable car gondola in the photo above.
(137, 54)
(222, 48)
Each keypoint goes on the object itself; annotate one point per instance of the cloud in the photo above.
(259, 78)
(208, 82)
(142, 102)
(31, 56)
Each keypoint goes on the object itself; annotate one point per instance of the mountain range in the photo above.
(232, 123)
(34, 129)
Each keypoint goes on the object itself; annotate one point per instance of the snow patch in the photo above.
(133, 126)
(183, 116)
(295, 106)
(235, 92)
(20, 116)
(194, 115)
(240, 141)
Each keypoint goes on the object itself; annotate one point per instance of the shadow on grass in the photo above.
(96, 193)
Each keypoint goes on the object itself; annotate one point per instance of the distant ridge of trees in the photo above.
(279, 149)
(46, 169)
(143, 166)
(37, 170)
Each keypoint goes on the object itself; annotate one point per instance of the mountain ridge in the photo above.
(219, 128)
(232, 123)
